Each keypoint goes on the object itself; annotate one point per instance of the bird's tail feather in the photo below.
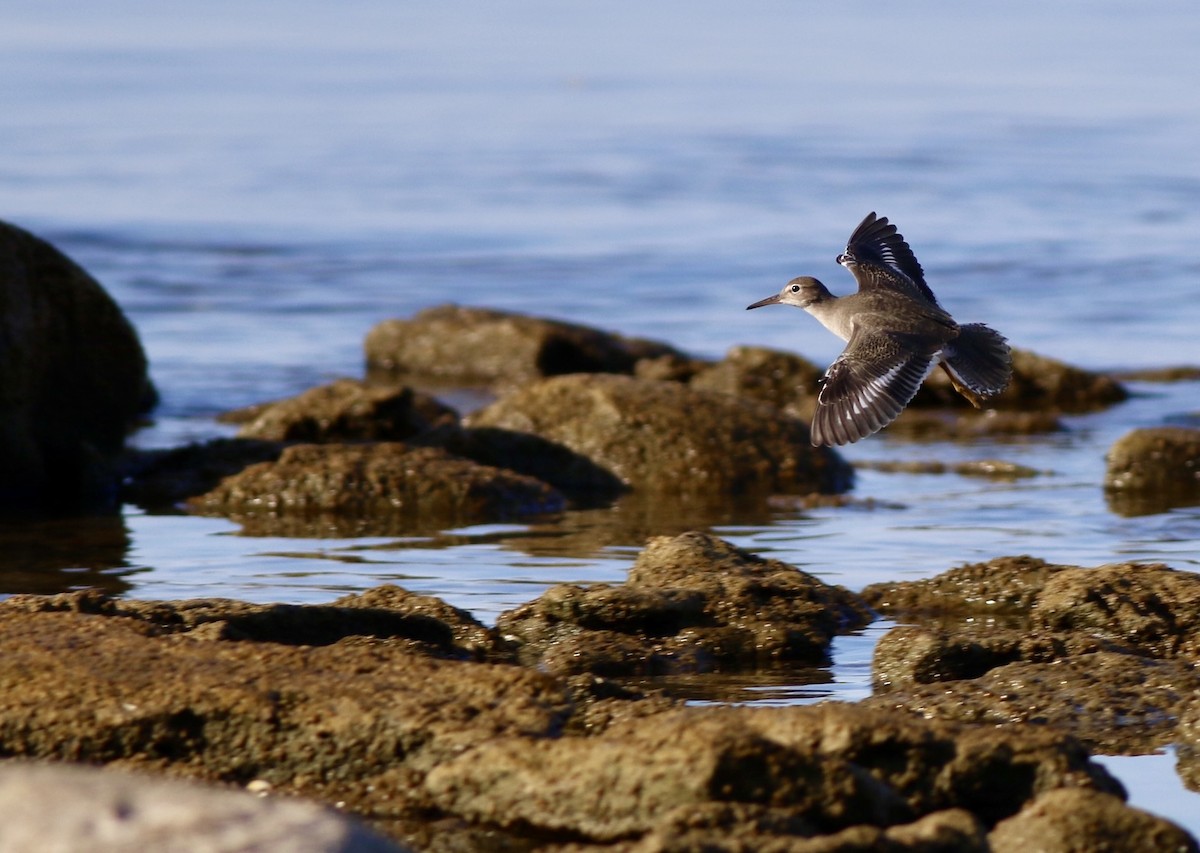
(980, 365)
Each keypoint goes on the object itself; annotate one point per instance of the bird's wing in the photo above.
(868, 386)
(878, 257)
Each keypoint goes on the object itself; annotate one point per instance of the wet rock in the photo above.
(917, 424)
(73, 381)
(670, 368)
(910, 655)
(1176, 373)
(1039, 383)
(1151, 470)
(384, 487)
(354, 722)
(1150, 608)
(345, 410)
(786, 381)
(1106, 653)
(477, 345)
(1005, 586)
(665, 437)
(692, 603)
(1074, 819)
(51, 807)
(998, 469)
(1115, 703)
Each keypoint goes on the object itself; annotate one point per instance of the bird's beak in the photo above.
(770, 300)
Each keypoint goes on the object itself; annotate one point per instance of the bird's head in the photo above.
(801, 292)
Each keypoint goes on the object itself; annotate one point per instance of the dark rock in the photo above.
(345, 410)
(384, 487)
(73, 381)
(693, 603)
(665, 437)
(670, 368)
(477, 345)
(1151, 470)
(932, 424)
(1071, 820)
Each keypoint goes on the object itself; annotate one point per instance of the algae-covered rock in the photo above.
(666, 437)
(73, 381)
(693, 603)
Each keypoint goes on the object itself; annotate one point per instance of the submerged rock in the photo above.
(1151, 470)
(693, 603)
(665, 437)
(384, 487)
(73, 381)
(478, 345)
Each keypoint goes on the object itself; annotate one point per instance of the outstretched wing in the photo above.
(868, 386)
(878, 257)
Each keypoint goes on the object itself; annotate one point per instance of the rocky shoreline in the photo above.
(444, 734)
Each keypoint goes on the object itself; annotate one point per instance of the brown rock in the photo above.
(665, 437)
(384, 487)
(1151, 470)
(354, 722)
(73, 381)
(693, 603)
(1117, 703)
(477, 345)
(345, 410)
(786, 381)
(162, 479)
(1074, 820)
(1005, 586)
(1038, 383)
(1150, 608)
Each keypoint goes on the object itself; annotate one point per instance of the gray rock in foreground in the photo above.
(62, 808)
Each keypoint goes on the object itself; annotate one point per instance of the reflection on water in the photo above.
(59, 555)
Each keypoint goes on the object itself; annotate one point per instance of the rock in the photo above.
(477, 345)
(73, 381)
(1073, 820)
(693, 603)
(1005, 586)
(667, 438)
(1115, 703)
(786, 381)
(789, 773)
(1151, 470)
(1106, 653)
(1152, 609)
(998, 469)
(357, 721)
(1039, 383)
(345, 410)
(1174, 373)
(60, 807)
(383, 487)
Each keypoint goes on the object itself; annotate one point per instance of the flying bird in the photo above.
(896, 334)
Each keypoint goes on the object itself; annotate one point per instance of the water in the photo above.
(257, 191)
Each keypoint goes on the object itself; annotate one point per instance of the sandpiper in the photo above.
(896, 334)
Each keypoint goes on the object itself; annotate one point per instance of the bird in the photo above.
(896, 334)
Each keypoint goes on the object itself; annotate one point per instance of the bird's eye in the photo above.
(795, 288)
